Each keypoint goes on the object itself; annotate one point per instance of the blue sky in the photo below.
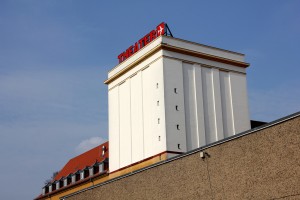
(54, 57)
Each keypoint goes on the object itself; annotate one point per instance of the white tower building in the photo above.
(173, 96)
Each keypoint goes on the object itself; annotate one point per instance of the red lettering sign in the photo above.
(160, 30)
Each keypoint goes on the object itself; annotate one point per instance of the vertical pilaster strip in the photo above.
(142, 113)
(199, 103)
(190, 107)
(217, 104)
(231, 104)
(226, 100)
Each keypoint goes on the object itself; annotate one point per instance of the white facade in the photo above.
(174, 96)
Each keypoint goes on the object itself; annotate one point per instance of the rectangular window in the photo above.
(65, 182)
(73, 178)
(81, 175)
(91, 171)
(101, 169)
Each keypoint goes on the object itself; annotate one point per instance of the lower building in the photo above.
(262, 163)
(80, 172)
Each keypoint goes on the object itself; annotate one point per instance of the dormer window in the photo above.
(101, 168)
(96, 168)
(44, 190)
(65, 181)
(57, 185)
(86, 172)
(81, 174)
(53, 186)
(91, 171)
(73, 178)
(61, 183)
(50, 188)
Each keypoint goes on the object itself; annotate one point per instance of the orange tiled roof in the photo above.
(81, 161)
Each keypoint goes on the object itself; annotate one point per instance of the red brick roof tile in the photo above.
(81, 161)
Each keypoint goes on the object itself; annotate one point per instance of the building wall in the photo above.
(114, 128)
(263, 164)
(174, 96)
(154, 95)
(216, 104)
(137, 117)
(153, 113)
(125, 123)
(75, 187)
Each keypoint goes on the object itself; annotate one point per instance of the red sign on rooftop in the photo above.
(160, 30)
